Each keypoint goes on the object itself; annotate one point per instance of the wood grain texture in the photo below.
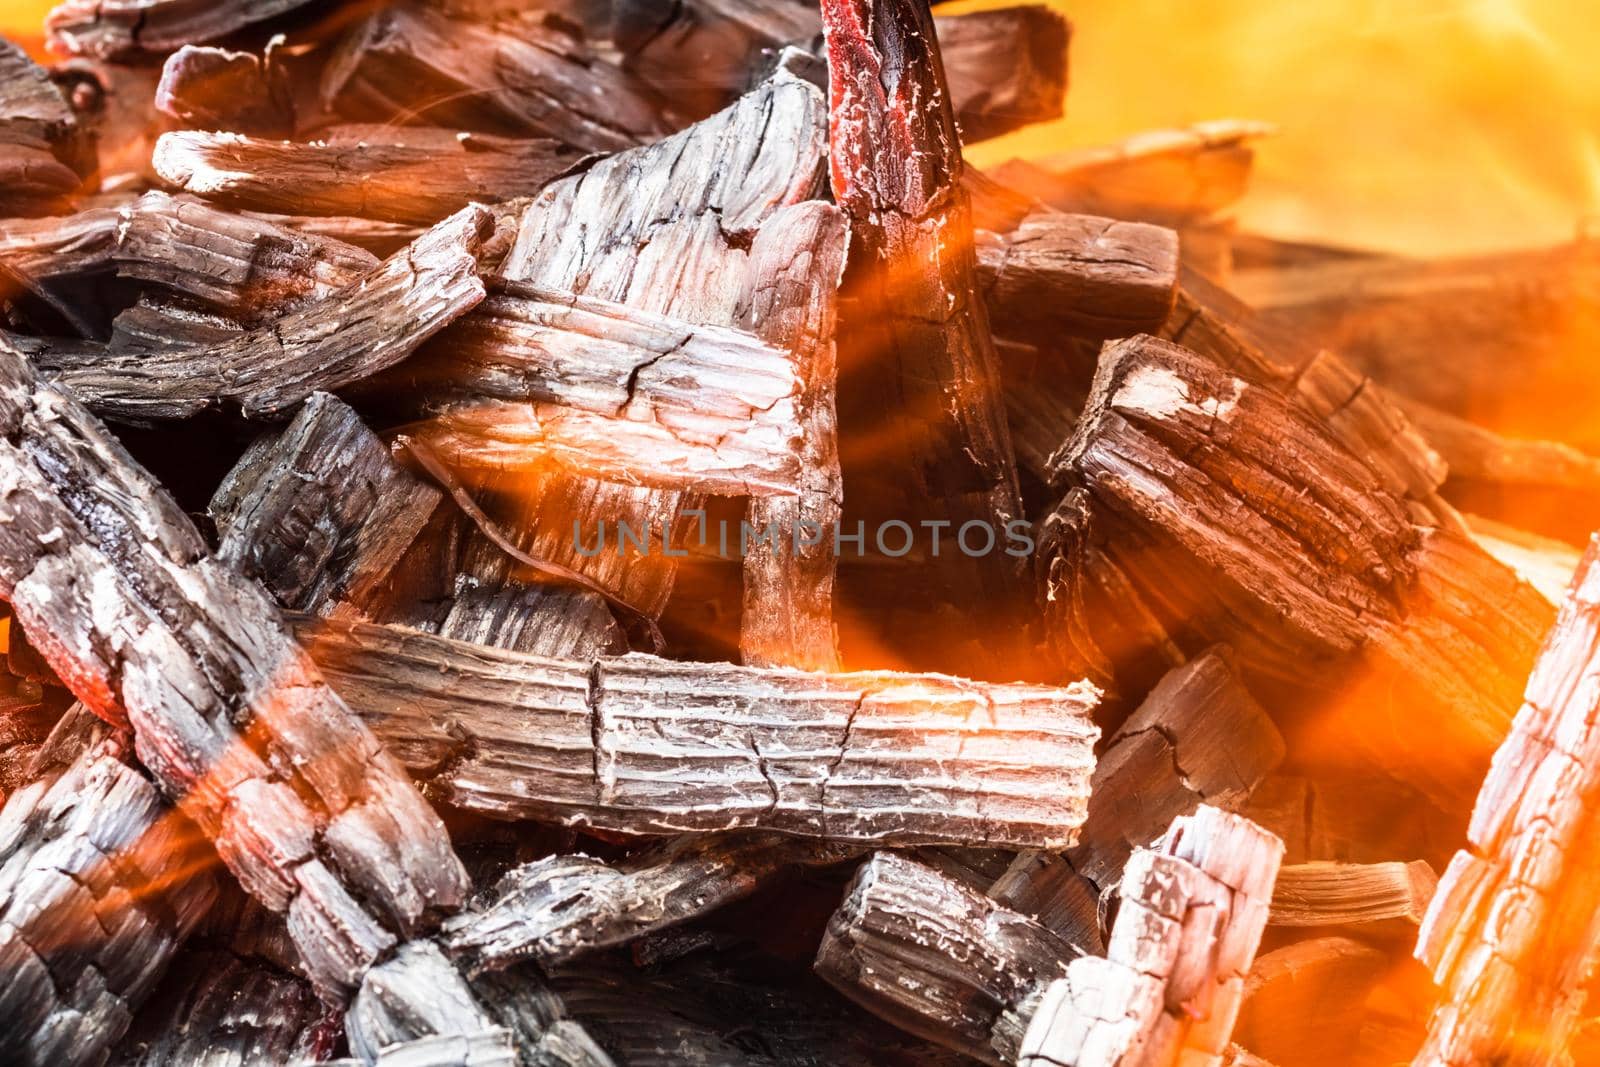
(120, 29)
(1510, 932)
(1007, 67)
(646, 745)
(99, 886)
(325, 343)
(1171, 983)
(401, 178)
(939, 959)
(207, 88)
(320, 514)
(519, 74)
(1376, 898)
(116, 588)
(44, 156)
(1078, 275)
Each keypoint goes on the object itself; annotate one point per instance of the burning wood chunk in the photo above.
(540, 620)
(875, 758)
(1546, 564)
(1304, 1004)
(218, 1007)
(115, 587)
(1374, 898)
(790, 300)
(1007, 67)
(247, 268)
(1198, 738)
(1078, 275)
(522, 73)
(723, 183)
(320, 514)
(118, 29)
(619, 393)
(557, 909)
(419, 181)
(1171, 177)
(99, 885)
(45, 154)
(919, 362)
(1240, 517)
(939, 959)
(326, 343)
(719, 41)
(215, 89)
(1171, 983)
(1510, 929)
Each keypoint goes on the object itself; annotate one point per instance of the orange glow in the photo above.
(1428, 126)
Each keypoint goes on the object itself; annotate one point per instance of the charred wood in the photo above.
(419, 182)
(1173, 978)
(320, 513)
(207, 88)
(560, 622)
(1305, 1003)
(872, 758)
(1510, 931)
(114, 584)
(39, 140)
(1369, 898)
(411, 61)
(939, 959)
(326, 343)
(1077, 275)
(99, 885)
(119, 29)
(558, 909)
(1007, 67)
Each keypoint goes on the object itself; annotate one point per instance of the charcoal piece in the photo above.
(208, 88)
(872, 757)
(320, 513)
(1007, 67)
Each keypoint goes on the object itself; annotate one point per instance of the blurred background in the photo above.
(1422, 126)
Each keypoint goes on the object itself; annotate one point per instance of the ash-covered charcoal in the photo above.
(320, 513)
(1007, 67)
(874, 758)
(371, 323)
(120, 29)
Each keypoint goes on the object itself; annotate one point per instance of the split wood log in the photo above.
(644, 745)
(247, 268)
(206, 88)
(920, 360)
(45, 154)
(1240, 517)
(1077, 275)
(320, 514)
(420, 181)
(616, 393)
(938, 959)
(99, 885)
(524, 74)
(557, 909)
(1007, 67)
(1514, 324)
(1510, 934)
(114, 585)
(217, 1008)
(1171, 177)
(1373, 899)
(1305, 1003)
(1171, 983)
(119, 29)
(727, 181)
(326, 343)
